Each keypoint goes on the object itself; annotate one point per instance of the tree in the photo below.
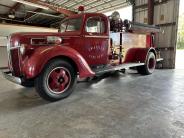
(180, 41)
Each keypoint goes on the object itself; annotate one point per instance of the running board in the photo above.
(118, 67)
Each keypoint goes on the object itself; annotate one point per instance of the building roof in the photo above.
(14, 12)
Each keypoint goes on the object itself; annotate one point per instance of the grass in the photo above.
(180, 45)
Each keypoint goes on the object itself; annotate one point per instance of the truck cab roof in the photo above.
(76, 24)
(87, 14)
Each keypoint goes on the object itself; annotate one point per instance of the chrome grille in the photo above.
(13, 57)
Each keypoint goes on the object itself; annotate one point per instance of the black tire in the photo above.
(28, 83)
(149, 66)
(42, 84)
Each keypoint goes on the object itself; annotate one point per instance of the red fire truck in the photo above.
(86, 45)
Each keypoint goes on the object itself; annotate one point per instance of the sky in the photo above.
(181, 7)
(125, 13)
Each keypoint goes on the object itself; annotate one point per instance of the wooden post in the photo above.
(150, 12)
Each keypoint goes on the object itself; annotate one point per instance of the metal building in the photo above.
(165, 15)
(108, 101)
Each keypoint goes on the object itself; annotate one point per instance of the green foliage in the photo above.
(180, 41)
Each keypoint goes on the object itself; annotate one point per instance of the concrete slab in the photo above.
(121, 106)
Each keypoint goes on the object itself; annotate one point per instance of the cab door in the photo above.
(96, 40)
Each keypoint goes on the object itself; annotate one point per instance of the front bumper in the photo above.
(8, 76)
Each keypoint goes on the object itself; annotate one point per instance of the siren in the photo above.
(115, 16)
(81, 9)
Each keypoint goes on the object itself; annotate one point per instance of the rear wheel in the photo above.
(56, 81)
(149, 66)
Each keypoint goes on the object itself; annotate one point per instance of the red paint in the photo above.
(148, 41)
(84, 49)
(81, 8)
(138, 54)
(34, 64)
(59, 80)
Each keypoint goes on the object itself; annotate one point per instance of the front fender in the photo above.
(35, 63)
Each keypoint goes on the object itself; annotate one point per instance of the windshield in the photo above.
(73, 24)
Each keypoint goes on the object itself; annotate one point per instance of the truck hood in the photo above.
(35, 34)
(25, 37)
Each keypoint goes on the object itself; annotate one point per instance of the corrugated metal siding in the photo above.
(167, 11)
(140, 2)
(166, 16)
(91, 5)
(141, 16)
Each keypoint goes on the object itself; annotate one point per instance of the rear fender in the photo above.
(138, 54)
(33, 65)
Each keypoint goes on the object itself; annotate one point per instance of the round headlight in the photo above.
(22, 49)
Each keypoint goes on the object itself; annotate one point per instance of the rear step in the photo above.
(160, 59)
(117, 67)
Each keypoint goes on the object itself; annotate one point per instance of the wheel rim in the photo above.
(58, 80)
(151, 64)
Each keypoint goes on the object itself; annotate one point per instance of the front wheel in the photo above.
(149, 66)
(56, 81)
